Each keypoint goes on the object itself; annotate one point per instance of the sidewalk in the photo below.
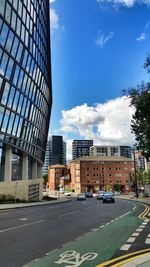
(33, 204)
(140, 199)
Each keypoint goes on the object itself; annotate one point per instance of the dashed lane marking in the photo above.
(20, 226)
(139, 230)
(147, 241)
(131, 239)
(6, 213)
(69, 213)
(135, 234)
(125, 247)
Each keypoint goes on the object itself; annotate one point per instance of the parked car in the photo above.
(145, 194)
(108, 197)
(81, 196)
(100, 195)
(67, 194)
(61, 190)
(88, 194)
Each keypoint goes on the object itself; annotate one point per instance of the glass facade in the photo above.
(25, 80)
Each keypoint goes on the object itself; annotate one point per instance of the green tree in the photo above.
(140, 123)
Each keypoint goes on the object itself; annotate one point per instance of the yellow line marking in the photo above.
(104, 264)
(144, 213)
(128, 260)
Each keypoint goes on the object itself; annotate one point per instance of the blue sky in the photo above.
(98, 48)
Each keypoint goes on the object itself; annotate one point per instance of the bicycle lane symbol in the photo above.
(74, 259)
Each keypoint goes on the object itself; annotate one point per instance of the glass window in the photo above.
(9, 41)
(25, 57)
(15, 78)
(16, 100)
(1, 23)
(15, 46)
(13, 20)
(4, 63)
(18, 29)
(20, 104)
(10, 124)
(24, 106)
(20, 127)
(1, 114)
(8, 13)
(20, 9)
(19, 53)
(3, 35)
(9, 68)
(2, 5)
(11, 97)
(15, 125)
(20, 80)
(5, 93)
(5, 121)
(15, 4)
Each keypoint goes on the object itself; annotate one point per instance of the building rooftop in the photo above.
(58, 166)
(102, 158)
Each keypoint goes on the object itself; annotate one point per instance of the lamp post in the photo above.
(135, 178)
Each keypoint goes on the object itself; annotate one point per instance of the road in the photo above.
(84, 226)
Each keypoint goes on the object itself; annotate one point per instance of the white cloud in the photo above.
(106, 124)
(142, 37)
(102, 40)
(126, 3)
(54, 25)
(51, 1)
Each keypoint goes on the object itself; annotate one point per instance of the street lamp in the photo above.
(135, 178)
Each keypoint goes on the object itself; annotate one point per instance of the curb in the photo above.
(34, 204)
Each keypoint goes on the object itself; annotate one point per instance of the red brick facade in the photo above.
(55, 174)
(95, 173)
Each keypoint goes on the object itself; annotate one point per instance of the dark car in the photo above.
(108, 197)
(88, 194)
(145, 194)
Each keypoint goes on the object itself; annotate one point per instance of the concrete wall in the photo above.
(19, 189)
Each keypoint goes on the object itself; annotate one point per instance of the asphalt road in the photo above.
(29, 233)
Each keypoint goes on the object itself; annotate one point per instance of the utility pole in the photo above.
(136, 184)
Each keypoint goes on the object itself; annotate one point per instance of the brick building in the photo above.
(95, 173)
(58, 176)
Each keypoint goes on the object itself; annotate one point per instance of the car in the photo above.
(100, 195)
(67, 194)
(88, 194)
(145, 194)
(108, 197)
(61, 190)
(81, 196)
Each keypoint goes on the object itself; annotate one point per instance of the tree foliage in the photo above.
(140, 123)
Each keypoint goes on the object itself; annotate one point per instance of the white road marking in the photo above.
(125, 247)
(142, 226)
(112, 221)
(139, 230)
(131, 239)
(88, 208)
(23, 219)
(4, 214)
(135, 234)
(20, 226)
(65, 214)
(148, 235)
(147, 241)
(102, 226)
(94, 230)
(144, 223)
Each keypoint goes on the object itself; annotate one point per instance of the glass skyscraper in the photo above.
(25, 93)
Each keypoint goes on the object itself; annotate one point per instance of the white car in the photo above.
(81, 197)
(67, 194)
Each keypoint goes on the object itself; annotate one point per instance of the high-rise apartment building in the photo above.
(122, 151)
(81, 148)
(55, 152)
(25, 95)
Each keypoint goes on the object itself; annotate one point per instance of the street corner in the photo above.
(139, 258)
